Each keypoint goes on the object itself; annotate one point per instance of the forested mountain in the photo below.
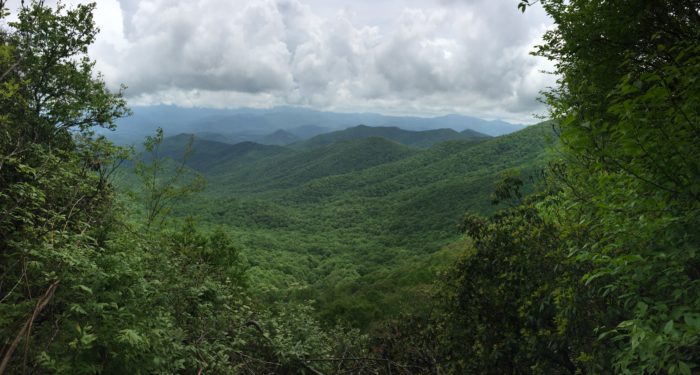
(202, 154)
(336, 216)
(366, 166)
(567, 247)
(280, 138)
(470, 133)
(420, 139)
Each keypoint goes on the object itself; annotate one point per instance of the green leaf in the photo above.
(84, 288)
(668, 328)
(130, 336)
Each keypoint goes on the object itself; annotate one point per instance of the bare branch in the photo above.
(27, 327)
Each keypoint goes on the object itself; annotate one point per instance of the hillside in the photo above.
(463, 159)
(336, 216)
(295, 167)
(279, 138)
(432, 187)
(206, 154)
(290, 240)
(469, 133)
(419, 139)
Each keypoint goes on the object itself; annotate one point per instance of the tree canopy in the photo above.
(596, 271)
(85, 289)
(615, 287)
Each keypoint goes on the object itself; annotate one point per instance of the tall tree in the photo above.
(54, 194)
(628, 110)
(82, 289)
(602, 273)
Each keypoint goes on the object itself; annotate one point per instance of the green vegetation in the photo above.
(85, 290)
(421, 139)
(353, 224)
(280, 138)
(351, 252)
(597, 273)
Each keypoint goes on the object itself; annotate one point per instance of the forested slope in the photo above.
(570, 247)
(420, 139)
(341, 216)
(597, 272)
(91, 284)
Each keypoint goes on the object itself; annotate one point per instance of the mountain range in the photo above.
(280, 125)
(344, 212)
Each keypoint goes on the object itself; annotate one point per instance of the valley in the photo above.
(326, 187)
(357, 220)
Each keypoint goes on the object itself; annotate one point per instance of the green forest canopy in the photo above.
(596, 271)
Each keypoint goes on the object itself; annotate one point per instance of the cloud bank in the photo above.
(397, 57)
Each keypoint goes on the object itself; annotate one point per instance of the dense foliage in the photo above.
(629, 114)
(592, 269)
(354, 225)
(600, 273)
(421, 139)
(84, 290)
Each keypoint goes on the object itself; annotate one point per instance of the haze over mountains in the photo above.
(281, 125)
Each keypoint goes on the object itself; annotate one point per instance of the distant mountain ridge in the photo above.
(470, 133)
(373, 165)
(296, 167)
(253, 124)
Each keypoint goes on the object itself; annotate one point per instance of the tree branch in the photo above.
(27, 327)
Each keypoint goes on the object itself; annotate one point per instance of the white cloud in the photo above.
(408, 56)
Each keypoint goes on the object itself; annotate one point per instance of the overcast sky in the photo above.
(424, 57)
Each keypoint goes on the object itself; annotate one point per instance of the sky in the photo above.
(409, 57)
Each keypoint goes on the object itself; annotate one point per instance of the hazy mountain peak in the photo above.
(303, 123)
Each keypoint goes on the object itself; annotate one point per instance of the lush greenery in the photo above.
(598, 272)
(86, 290)
(345, 254)
(422, 139)
(628, 203)
(353, 225)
